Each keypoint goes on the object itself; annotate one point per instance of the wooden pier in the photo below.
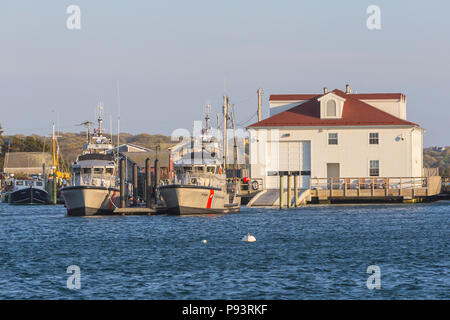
(374, 189)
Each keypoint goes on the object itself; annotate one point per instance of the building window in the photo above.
(331, 108)
(373, 138)
(332, 138)
(374, 170)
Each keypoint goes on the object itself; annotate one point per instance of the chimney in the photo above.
(325, 90)
(347, 89)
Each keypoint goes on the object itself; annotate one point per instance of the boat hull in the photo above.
(28, 196)
(90, 200)
(191, 199)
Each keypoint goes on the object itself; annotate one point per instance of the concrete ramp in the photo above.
(265, 198)
(304, 196)
(271, 198)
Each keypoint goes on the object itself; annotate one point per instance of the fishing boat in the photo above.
(27, 191)
(200, 184)
(93, 189)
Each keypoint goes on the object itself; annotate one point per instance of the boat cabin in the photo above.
(22, 184)
(95, 173)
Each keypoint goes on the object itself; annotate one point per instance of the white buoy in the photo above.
(249, 238)
(204, 241)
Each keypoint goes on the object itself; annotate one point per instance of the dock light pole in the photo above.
(148, 183)
(122, 183)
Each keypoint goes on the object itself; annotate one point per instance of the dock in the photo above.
(352, 190)
(374, 189)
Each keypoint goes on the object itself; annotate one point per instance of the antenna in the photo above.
(110, 127)
(207, 118)
(88, 133)
(99, 117)
(224, 128)
(118, 119)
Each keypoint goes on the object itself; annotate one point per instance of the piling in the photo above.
(122, 183)
(296, 190)
(54, 190)
(135, 185)
(281, 192)
(289, 190)
(157, 177)
(44, 178)
(148, 183)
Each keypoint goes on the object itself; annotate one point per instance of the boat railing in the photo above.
(200, 179)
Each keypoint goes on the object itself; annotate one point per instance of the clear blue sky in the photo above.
(171, 57)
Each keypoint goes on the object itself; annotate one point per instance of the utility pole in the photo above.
(259, 104)
(235, 144)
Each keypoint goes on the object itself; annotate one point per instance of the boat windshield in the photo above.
(97, 176)
(98, 170)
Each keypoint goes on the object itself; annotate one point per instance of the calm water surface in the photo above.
(317, 252)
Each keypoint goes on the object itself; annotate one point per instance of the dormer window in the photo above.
(331, 108)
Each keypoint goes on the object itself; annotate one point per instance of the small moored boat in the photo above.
(23, 191)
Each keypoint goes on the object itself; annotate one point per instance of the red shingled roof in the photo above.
(368, 96)
(287, 97)
(355, 113)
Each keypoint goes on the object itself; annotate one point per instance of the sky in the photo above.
(163, 61)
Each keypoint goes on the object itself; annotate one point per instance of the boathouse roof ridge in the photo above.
(308, 96)
(355, 112)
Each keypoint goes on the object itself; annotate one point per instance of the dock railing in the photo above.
(245, 188)
(375, 186)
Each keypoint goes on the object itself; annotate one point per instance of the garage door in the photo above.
(293, 156)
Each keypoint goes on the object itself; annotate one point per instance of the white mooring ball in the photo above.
(204, 241)
(249, 238)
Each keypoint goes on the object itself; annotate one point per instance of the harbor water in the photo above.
(314, 252)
